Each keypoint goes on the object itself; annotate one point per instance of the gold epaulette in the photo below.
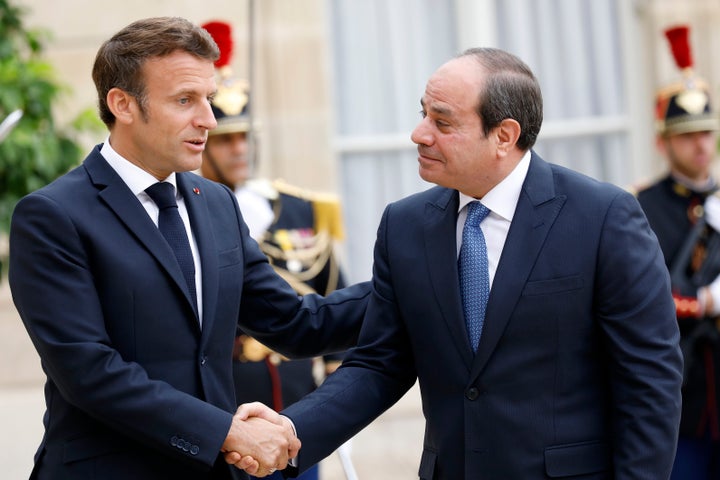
(633, 189)
(326, 207)
(638, 187)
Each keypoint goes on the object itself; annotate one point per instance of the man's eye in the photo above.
(423, 113)
(184, 101)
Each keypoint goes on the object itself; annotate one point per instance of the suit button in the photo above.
(472, 393)
(203, 360)
(194, 450)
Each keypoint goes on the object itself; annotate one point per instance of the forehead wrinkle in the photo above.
(435, 108)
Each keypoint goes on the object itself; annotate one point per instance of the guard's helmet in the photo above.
(232, 100)
(684, 106)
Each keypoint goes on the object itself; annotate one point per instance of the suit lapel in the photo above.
(441, 256)
(200, 215)
(537, 209)
(118, 197)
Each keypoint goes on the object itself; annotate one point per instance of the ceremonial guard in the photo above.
(684, 211)
(297, 229)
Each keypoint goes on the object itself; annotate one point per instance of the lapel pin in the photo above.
(196, 191)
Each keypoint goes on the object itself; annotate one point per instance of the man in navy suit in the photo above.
(137, 351)
(577, 370)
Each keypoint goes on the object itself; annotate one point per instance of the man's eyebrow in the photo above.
(444, 111)
(190, 92)
(436, 109)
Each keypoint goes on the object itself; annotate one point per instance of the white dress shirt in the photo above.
(501, 201)
(138, 180)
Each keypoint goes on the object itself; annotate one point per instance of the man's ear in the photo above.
(507, 134)
(122, 105)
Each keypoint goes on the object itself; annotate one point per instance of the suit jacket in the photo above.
(135, 388)
(578, 369)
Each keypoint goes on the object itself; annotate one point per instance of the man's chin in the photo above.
(430, 175)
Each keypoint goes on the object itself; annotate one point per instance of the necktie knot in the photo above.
(163, 194)
(476, 213)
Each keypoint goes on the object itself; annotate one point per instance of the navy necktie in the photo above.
(173, 229)
(473, 269)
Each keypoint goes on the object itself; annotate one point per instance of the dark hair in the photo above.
(120, 60)
(511, 91)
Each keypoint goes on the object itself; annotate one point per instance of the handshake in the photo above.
(260, 440)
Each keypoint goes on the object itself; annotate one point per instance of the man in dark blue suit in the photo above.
(136, 336)
(577, 369)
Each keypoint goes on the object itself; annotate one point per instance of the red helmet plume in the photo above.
(678, 37)
(222, 34)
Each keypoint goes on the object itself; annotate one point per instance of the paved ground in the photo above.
(388, 449)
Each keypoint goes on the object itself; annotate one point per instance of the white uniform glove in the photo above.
(712, 218)
(712, 211)
(710, 308)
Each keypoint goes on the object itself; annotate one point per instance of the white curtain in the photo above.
(383, 53)
(573, 46)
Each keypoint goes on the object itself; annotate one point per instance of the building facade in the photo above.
(337, 83)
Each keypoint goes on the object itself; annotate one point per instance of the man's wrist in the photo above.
(291, 461)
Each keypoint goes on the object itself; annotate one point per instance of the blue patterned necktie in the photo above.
(473, 268)
(173, 229)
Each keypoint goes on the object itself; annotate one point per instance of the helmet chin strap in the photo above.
(218, 174)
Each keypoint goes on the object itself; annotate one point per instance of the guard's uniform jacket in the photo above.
(692, 254)
(299, 244)
(294, 228)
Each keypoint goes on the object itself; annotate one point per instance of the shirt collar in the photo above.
(503, 197)
(705, 186)
(135, 177)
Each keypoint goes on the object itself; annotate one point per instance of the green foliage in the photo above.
(36, 151)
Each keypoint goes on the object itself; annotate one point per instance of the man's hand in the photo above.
(709, 298)
(249, 464)
(260, 440)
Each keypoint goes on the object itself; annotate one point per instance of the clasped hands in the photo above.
(260, 440)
